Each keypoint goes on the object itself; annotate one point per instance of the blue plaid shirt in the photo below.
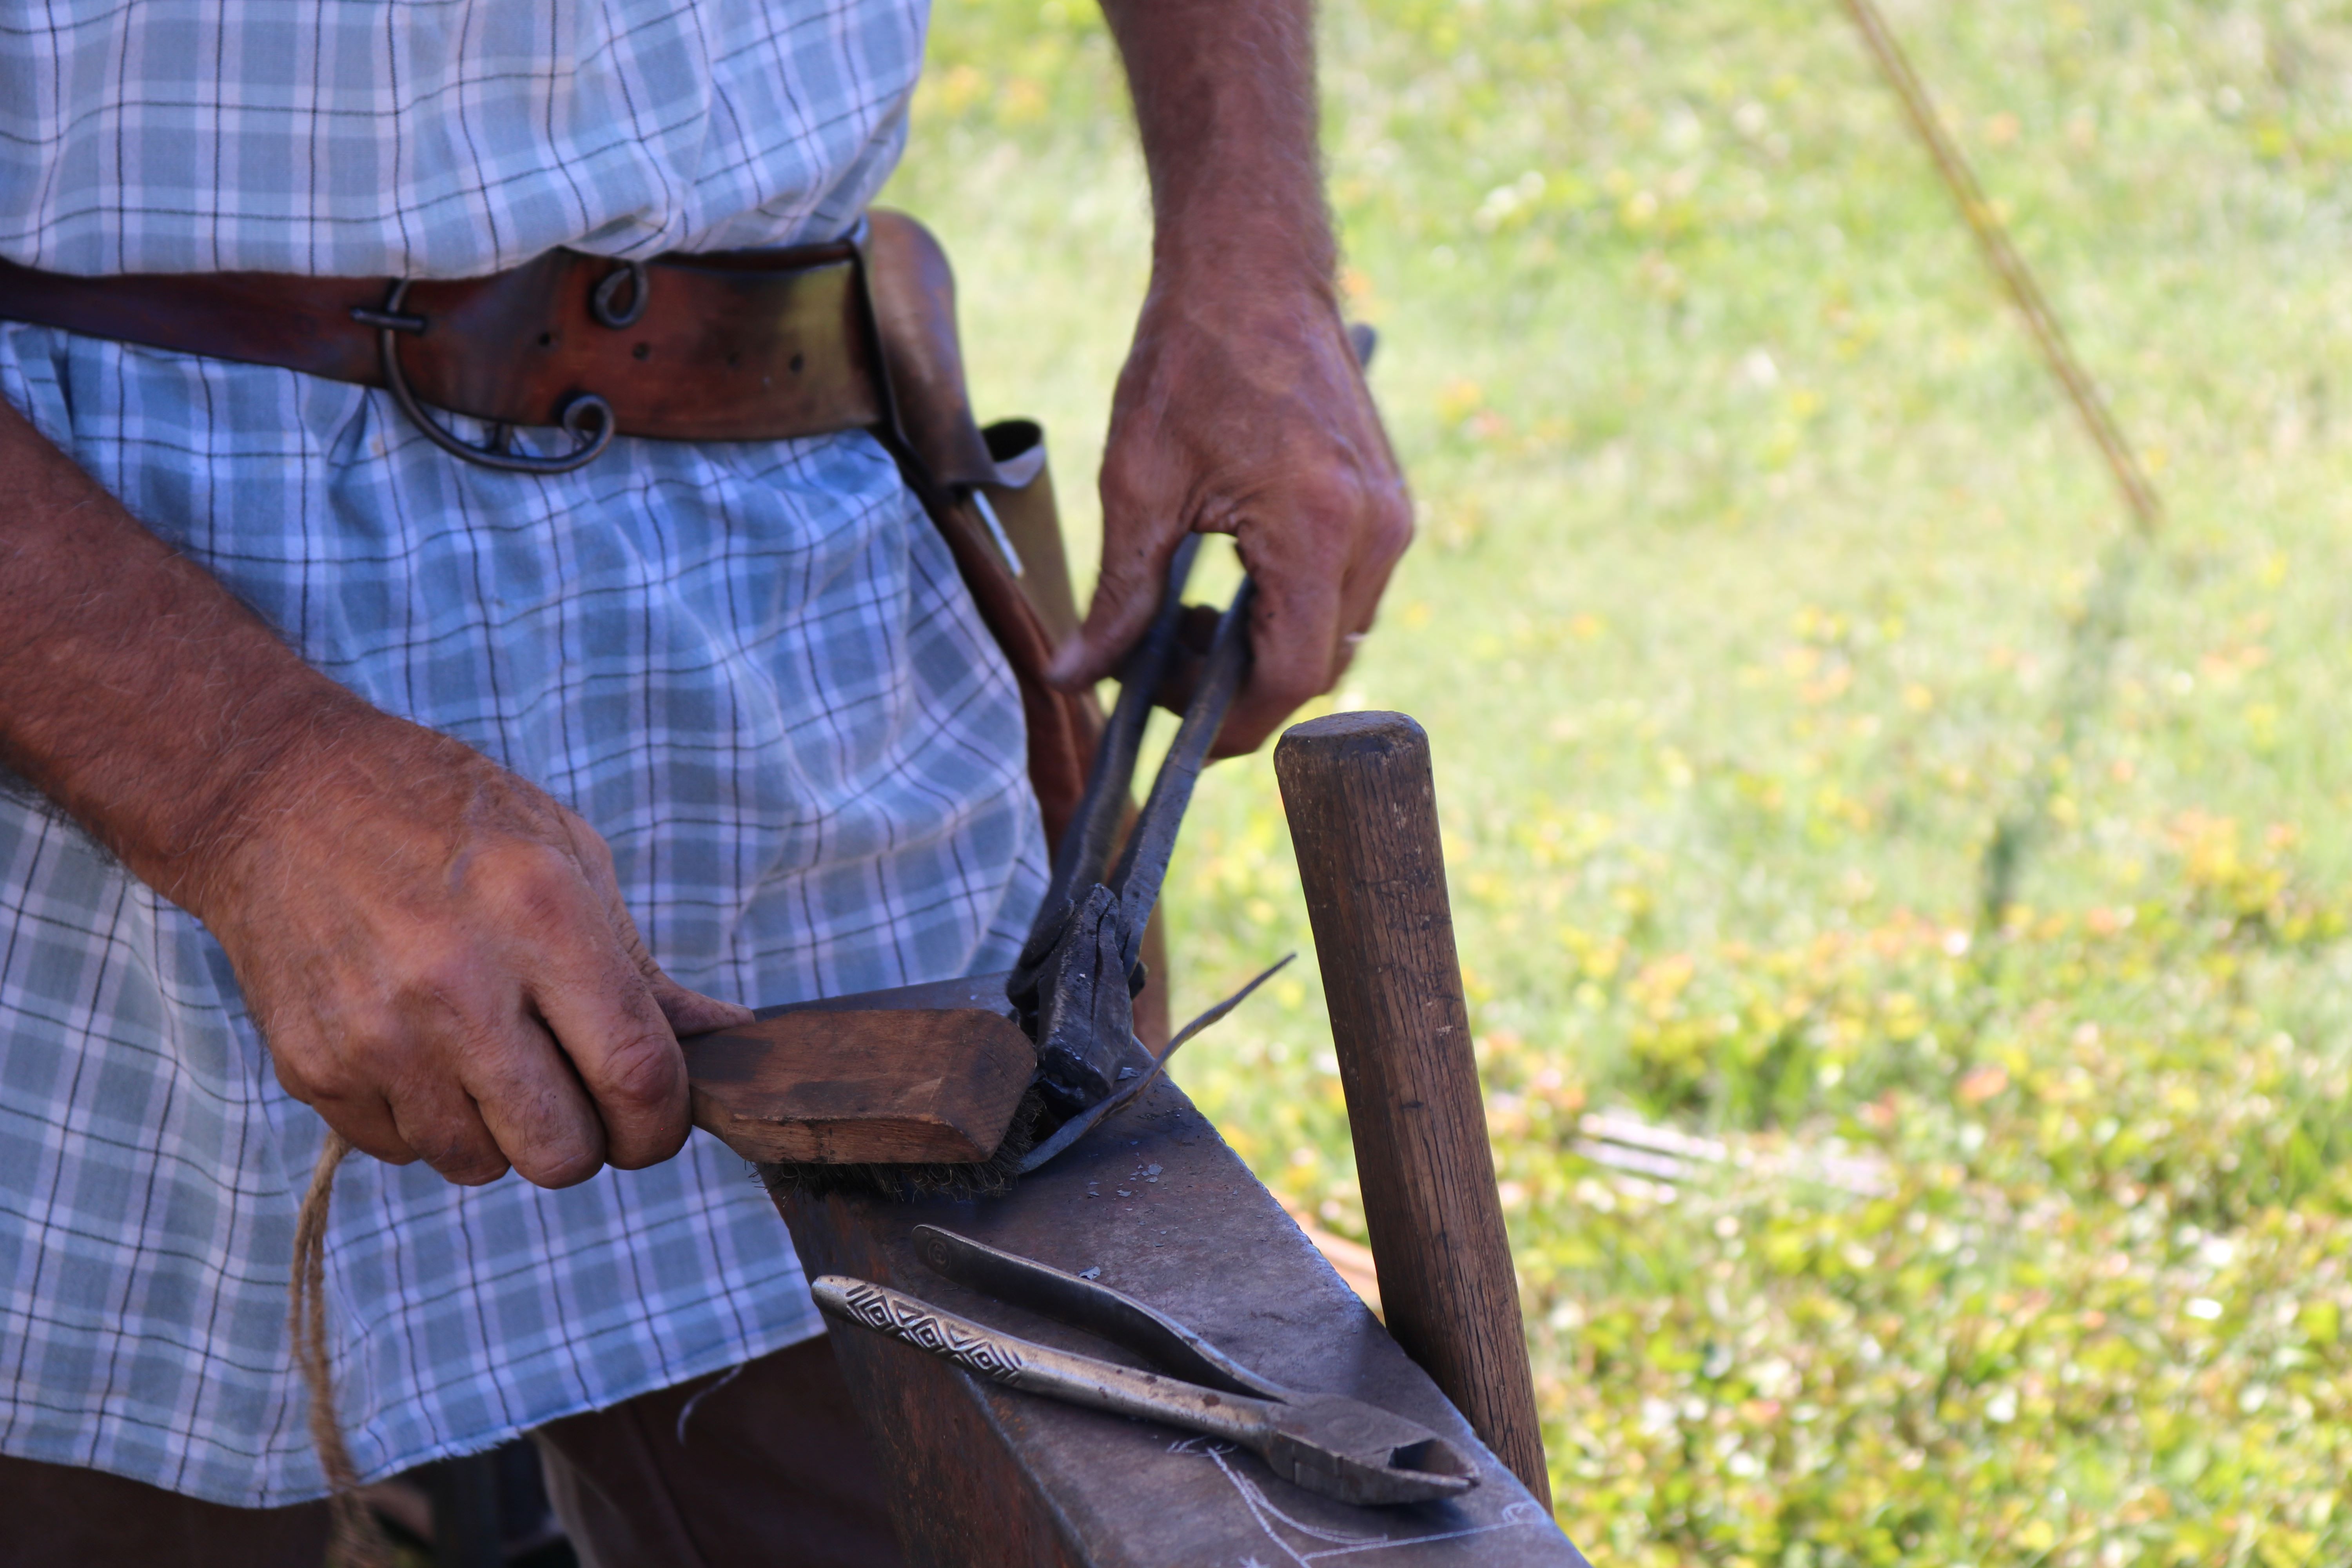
(751, 665)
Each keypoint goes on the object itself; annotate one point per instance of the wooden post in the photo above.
(1363, 817)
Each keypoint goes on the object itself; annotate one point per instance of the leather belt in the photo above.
(732, 346)
(745, 345)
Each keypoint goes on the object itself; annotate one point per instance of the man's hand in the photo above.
(438, 956)
(1242, 409)
(435, 950)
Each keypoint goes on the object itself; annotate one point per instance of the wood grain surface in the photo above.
(883, 1086)
(989, 1477)
(1362, 805)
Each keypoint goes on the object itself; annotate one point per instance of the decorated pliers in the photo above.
(1326, 1443)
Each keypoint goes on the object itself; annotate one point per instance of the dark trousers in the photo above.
(773, 1471)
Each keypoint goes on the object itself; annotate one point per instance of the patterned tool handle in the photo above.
(945, 1335)
(1042, 1369)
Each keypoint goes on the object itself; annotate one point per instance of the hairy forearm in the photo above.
(436, 951)
(1224, 102)
(136, 691)
(1240, 409)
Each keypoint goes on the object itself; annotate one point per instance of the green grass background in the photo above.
(1754, 542)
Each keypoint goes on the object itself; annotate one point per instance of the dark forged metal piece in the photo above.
(1084, 1004)
(1326, 1443)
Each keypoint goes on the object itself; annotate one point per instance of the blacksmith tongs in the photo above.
(1326, 1443)
(1075, 984)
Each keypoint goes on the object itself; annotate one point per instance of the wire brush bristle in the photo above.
(986, 1178)
(993, 1176)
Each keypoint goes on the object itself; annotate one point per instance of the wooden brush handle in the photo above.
(1363, 818)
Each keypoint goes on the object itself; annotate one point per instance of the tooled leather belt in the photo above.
(744, 345)
(736, 346)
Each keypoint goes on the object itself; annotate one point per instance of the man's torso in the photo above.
(749, 666)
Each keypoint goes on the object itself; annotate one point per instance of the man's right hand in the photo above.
(438, 955)
(436, 951)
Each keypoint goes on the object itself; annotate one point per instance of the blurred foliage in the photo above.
(1753, 537)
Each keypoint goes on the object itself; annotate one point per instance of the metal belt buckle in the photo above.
(586, 416)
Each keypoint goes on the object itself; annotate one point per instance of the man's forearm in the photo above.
(436, 951)
(1241, 409)
(1224, 102)
(136, 691)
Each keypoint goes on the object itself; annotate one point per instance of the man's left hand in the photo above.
(1242, 410)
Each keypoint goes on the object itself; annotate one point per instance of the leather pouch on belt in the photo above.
(990, 493)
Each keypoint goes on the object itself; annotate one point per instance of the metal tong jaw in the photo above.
(1326, 1443)
(1075, 984)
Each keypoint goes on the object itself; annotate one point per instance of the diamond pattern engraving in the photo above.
(903, 1319)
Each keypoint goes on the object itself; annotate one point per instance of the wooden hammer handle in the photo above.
(1363, 817)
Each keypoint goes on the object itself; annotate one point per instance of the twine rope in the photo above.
(358, 1541)
(2083, 684)
(1992, 237)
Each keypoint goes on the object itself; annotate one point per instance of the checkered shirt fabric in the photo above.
(752, 667)
(438, 138)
